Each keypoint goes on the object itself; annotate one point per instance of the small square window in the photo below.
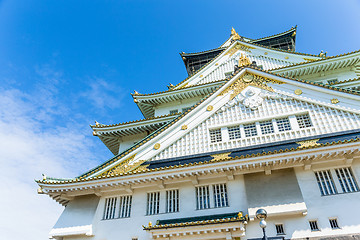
(304, 120)
(283, 124)
(234, 132)
(314, 225)
(334, 223)
(215, 136)
(266, 127)
(250, 130)
(279, 229)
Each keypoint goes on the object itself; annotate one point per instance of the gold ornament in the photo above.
(298, 91)
(157, 146)
(244, 61)
(265, 53)
(184, 127)
(125, 166)
(220, 156)
(308, 143)
(334, 101)
(209, 108)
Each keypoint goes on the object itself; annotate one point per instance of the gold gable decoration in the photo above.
(125, 166)
(243, 61)
(239, 46)
(249, 80)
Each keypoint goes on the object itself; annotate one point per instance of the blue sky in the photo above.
(64, 64)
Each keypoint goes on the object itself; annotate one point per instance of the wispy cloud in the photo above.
(31, 144)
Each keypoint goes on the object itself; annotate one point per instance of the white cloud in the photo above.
(31, 143)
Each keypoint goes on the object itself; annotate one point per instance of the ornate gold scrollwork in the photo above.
(308, 143)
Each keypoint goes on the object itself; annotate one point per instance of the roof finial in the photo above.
(135, 92)
(322, 54)
(96, 123)
(234, 35)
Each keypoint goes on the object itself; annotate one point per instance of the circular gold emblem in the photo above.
(201, 76)
(298, 91)
(210, 108)
(157, 146)
(248, 78)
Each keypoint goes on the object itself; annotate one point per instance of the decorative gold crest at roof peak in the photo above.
(234, 34)
(249, 80)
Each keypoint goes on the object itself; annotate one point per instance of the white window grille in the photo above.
(153, 203)
(220, 195)
(279, 229)
(334, 223)
(266, 127)
(172, 201)
(250, 130)
(202, 197)
(110, 208)
(314, 225)
(283, 124)
(234, 132)
(304, 121)
(215, 136)
(325, 182)
(174, 111)
(125, 206)
(346, 180)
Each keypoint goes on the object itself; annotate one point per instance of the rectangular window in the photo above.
(325, 182)
(314, 226)
(283, 124)
(110, 208)
(125, 206)
(220, 195)
(174, 111)
(172, 201)
(304, 120)
(266, 127)
(202, 197)
(234, 133)
(250, 130)
(215, 136)
(334, 223)
(346, 180)
(279, 229)
(153, 203)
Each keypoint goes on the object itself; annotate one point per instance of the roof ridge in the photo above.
(317, 60)
(278, 34)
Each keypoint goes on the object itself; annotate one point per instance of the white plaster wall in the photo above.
(128, 141)
(164, 109)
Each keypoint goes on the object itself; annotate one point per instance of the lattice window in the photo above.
(234, 132)
(346, 180)
(325, 182)
(266, 127)
(279, 229)
(283, 124)
(125, 206)
(153, 203)
(110, 208)
(202, 197)
(314, 225)
(220, 195)
(215, 136)
(172, 201)
(175, 111)
(334, 223)
(250, 130)
(304, 120)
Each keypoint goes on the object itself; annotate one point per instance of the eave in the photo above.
(321, 65)
(148, 102)
(110, 134)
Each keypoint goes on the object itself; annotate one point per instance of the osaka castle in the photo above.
(256, 125)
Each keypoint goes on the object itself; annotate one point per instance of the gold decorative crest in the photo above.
(184, 127)
(244, 60)
(157, 146)
(125, 166)
(298, 91)
(249, 80)
(234, 34)
(334, 101)
(308, 143)
(220, 156)
(209, 108)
